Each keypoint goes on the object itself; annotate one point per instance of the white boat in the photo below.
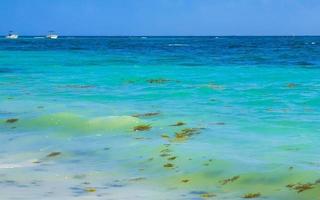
(52, 35)
(11, 35)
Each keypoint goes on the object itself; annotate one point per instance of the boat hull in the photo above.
(52, 37)
(12, 36)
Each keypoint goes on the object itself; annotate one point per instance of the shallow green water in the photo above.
(249, 105)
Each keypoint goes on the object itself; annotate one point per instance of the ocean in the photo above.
(160, 118)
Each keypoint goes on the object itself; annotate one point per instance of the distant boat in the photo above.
(11, 35)
(52, 35)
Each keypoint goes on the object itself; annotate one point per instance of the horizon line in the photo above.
(307, 35)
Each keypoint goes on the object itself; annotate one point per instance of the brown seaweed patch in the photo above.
(142, 128)
(165, 136)
(165, 151)
(168, 165)
(301, 187)
(186, 133)
(185, 180)
(229, 180)
(251, 195)
(12, 120)
(164, 155)
(151, 114)
(53, 154)
(172, 158)
(178, 124)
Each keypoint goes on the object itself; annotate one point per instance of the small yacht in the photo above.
(11, 35)
(52, 35)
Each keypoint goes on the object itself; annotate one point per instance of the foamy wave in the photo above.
(16, 165)
(73, 122)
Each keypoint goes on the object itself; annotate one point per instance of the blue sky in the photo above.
(161, 17)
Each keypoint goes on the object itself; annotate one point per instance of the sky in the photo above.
(161, 17)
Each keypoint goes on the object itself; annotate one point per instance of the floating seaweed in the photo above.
(186, 133)
(164, 155)
(165, 151)
(141, 138)
(172, 158)
(229, 180)
(151, 114)
(165, 136)
(291, 85)
(142, 128)
(91, 189)
(168, 165)
(207, 195)
(12, 120)
(138, 179)
(251, 195)
(301, 187)
(185, 180)
(290, 185)
(53, 154)
(178, 124)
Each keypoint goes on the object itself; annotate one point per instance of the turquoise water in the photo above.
(160, 118)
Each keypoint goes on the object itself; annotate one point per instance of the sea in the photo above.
(160, 118)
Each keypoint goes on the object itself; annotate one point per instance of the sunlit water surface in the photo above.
(160, 118)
